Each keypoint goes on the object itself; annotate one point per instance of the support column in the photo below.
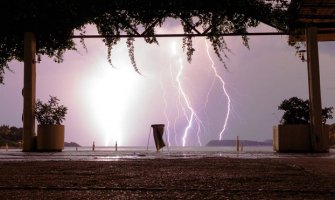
(314, 88)
(29, 92)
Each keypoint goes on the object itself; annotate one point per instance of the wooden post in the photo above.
(29, 91)
(314, 88)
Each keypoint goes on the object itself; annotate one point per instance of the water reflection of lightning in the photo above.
(223, 89)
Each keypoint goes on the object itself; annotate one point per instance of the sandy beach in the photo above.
(192, 178)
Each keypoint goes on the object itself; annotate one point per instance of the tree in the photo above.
(11, 136)
(296, 111)
(54, 23)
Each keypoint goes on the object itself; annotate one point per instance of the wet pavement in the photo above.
(108, 154)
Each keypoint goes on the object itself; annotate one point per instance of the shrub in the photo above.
(296, 111)
(50, 113)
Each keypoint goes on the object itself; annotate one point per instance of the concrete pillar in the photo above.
(314, 88)
(29, 92)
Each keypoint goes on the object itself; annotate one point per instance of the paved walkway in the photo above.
(196, 178)
(126, 175)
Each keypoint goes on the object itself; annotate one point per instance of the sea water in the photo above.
(143, 152)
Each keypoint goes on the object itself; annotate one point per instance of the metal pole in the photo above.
(180, 35)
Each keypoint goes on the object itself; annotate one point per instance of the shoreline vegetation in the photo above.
(18, 145)
(231, 143)
(11, 137)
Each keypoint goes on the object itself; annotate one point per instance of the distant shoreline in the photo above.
(230, 143)
(17, 145)
(71, 144)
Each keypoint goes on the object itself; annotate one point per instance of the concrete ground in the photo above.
(170, 178)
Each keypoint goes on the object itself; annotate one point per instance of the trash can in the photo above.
(158, 131)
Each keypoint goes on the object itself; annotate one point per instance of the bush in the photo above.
(12, 136)
(50, 113)
(296, 111)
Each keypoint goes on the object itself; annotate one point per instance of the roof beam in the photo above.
(181, 35)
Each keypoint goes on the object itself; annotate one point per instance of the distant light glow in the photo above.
(109, 93)
(174, 47)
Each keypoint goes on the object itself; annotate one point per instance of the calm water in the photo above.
(131, 153)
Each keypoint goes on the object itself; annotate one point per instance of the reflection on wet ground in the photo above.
(131, 153)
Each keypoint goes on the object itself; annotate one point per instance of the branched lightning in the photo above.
(177, 106)
(184, 104)
(224, 90)
(207, 96)
(192, 116)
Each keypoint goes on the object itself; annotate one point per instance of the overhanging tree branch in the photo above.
(54, 23)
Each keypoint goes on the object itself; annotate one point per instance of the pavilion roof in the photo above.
(320, 13)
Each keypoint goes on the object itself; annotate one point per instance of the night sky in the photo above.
(108, 104)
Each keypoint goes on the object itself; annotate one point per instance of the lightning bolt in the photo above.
(223, 89)
(192, 116)
(207, 98)
(177, 106)
(183, 102)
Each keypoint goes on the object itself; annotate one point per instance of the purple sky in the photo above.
(116, 104)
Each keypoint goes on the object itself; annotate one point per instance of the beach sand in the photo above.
(192, 178)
